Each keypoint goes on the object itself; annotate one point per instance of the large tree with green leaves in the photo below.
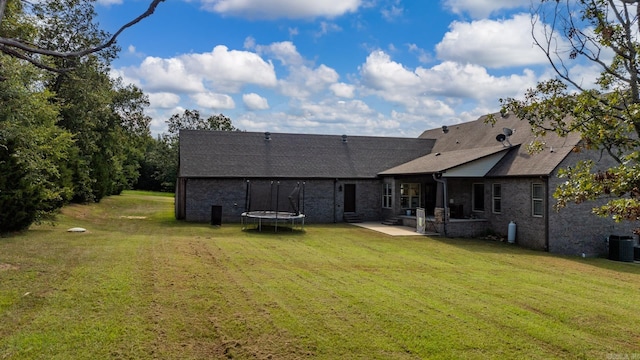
(606, 112)
(104, 116)
(67, 129)
(34, 178)
(160, 168)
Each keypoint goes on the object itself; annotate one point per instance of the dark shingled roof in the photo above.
(478, 137)
(225, 154)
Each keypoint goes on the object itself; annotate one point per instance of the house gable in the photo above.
(469, 144)
(442, 162)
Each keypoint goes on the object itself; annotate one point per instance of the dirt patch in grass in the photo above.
(6, 267)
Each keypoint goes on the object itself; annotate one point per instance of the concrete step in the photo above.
(352, 218)
(392, 221)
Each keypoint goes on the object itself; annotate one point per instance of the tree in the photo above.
(606, 113)
(34, 181)
(192, 120)
(69, 134)
(160, 168)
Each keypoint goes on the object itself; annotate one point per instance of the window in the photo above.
(387, 196)
(410, 196)
(537, 200)
(478, 197)
(496, 195)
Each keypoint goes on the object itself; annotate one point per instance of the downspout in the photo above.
(335, 182)
(247, 199)
(444, 202)
(546, 215)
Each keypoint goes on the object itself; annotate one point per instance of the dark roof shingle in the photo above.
(249, 155)
(475, 135)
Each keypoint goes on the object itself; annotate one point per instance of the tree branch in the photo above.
(10, 46)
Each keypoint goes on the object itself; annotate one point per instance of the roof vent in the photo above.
(445, 129)
(267, 136)
(344, 138)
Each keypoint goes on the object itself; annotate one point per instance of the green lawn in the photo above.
(140, 285)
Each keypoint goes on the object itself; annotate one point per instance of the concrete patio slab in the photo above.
(392, 230)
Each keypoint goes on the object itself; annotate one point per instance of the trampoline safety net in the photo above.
(271, 202)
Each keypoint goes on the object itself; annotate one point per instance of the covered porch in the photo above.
(450, 186)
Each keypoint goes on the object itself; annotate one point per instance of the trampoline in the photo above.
(266, 205)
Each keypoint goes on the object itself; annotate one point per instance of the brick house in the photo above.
(340, 173)
(475, 173)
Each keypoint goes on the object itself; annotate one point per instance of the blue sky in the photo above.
(358, 67)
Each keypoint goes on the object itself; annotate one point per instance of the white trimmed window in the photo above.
(410, 196)
(387, 196)
(477, 197)
(496, 195)
(537, 200)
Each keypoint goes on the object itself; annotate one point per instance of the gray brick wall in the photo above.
(574, 230)
(323, 203)
(201, 194)
(368, 199)
(516, 207)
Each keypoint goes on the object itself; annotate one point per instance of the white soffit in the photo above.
(476, 168)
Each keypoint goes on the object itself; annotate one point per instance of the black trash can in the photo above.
(636, 253)
(216, 215)
(621, 248)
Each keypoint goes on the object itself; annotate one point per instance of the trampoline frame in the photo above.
(271, 217)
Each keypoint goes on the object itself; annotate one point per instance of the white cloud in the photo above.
(422, 54)
(170, 75)
(126, 79)
(163, 100)
(304, 81)
(342, 90)
(211, 100)
(285, 52)
(326, 117)
(492, 44)
(229, 70)
(483, 8)
(327, 27)
(108, 2)
(379, 72)
(222, 69)
(275, 9)
(417, 89)
(249, 43)
(472, 81)
(392, 12)
(254, 101)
